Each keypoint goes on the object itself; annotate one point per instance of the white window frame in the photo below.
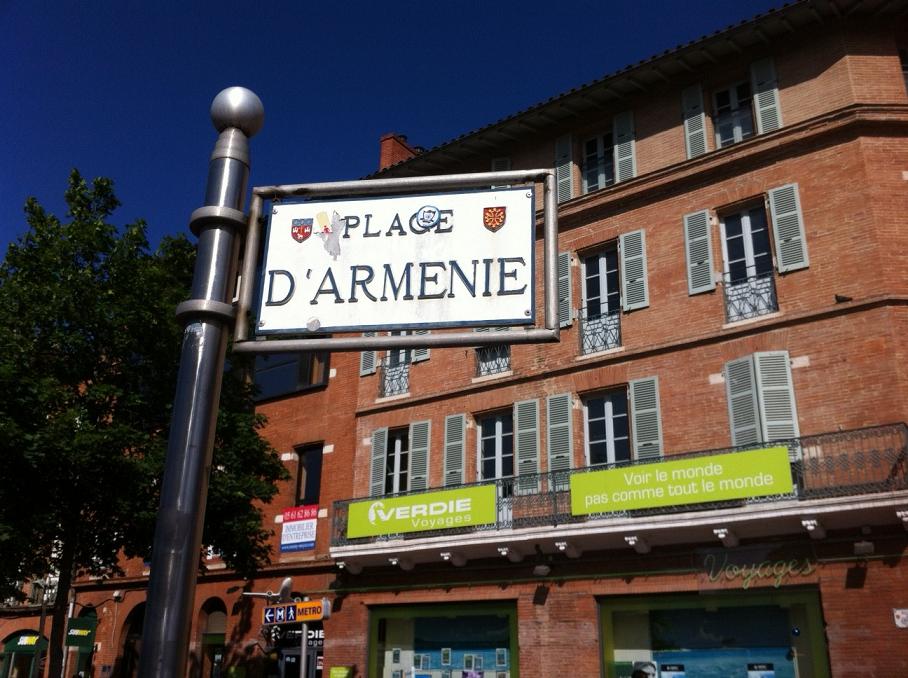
(739, 109)
(499, 438)
(395, 455)
(604, 157)
(601, 253)
(609, 426)
(747, 232)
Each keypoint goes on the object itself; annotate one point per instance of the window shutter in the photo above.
(560, 433)
(367, 359)
(564, 168)
(379, 449)
(788, 228)
(766, 95)
(699, 250)
(741, 387)
(646, 418)
(625, 157)
(526, 445)
(633, 270)
(454, 444)
(419, 455)
(420, 354)
(565, 309)
(775, 395)
(695, 137)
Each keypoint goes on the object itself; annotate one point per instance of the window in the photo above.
(309, 474)
(600, 325)
(749, 285)
(280, 374)
(495, 358)
(598, 162)
(421, 661)
(733, 117)
(501, 656)
(400, 459)
(607, 428)
(496, 445)
(397, 461)
(761, 400)
(903, 60)
(446, 656)
(395, 367)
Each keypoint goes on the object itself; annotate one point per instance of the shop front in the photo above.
(744, 634)
(470, 640)
(289, 649)
(20, 651)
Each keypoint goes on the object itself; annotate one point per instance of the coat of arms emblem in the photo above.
(493, 218)
(300, 229)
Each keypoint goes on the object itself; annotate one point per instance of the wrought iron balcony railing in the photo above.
(841, 464)
(750, 297)
(493, 359)
(599, 331)
(393, 379)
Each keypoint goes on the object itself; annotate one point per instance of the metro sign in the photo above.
(294, 613)
(399, 262)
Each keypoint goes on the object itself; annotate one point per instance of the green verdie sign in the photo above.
(736, 475)
(425, 511)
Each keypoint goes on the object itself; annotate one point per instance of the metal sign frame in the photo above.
(550, 332)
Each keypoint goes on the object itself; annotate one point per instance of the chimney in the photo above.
(394, 149)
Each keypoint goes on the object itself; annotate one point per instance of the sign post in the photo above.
(237, 114)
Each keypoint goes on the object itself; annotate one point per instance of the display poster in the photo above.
(340, 672)
(761, 670)
(720, 477)
(671, 671)
(298, 528)
(463, 507)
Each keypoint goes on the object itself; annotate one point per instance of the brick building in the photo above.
(732, 295)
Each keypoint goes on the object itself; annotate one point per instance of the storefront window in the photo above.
(468, 641)
(753, 635)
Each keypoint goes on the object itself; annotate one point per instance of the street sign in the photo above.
(293, 613)
(400, 262)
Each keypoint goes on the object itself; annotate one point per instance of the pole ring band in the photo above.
(205, 307)
(205, 215)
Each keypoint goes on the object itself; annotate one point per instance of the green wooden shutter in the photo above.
(526, 445)
(646, 418)
(775, 395)
(379, 451)
(635, 288)
(625, 156)
(420, 354)
(699, 250)
(695, 137)
(455, 425)
(788, 228)
(559, 432)
(367, 359)
(565, 305)
(766, 95)
(564, 168)
(743, 413)
(419, 455)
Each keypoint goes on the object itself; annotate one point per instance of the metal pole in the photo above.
(304, 652)
(36, 660)
(237, 114)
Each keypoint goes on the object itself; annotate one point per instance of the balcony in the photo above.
(599, 331)
(750, 297)
(828, 472)
(493, 360)
(393, 377)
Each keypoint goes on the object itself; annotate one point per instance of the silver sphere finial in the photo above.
(238, 107)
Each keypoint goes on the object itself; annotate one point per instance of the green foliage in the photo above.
(89, 350)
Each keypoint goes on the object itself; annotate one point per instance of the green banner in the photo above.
(80, 632)
(736, 475)
(425, 511)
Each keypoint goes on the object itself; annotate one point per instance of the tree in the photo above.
(89, 350)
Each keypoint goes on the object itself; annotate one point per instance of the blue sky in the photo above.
(122, 88)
